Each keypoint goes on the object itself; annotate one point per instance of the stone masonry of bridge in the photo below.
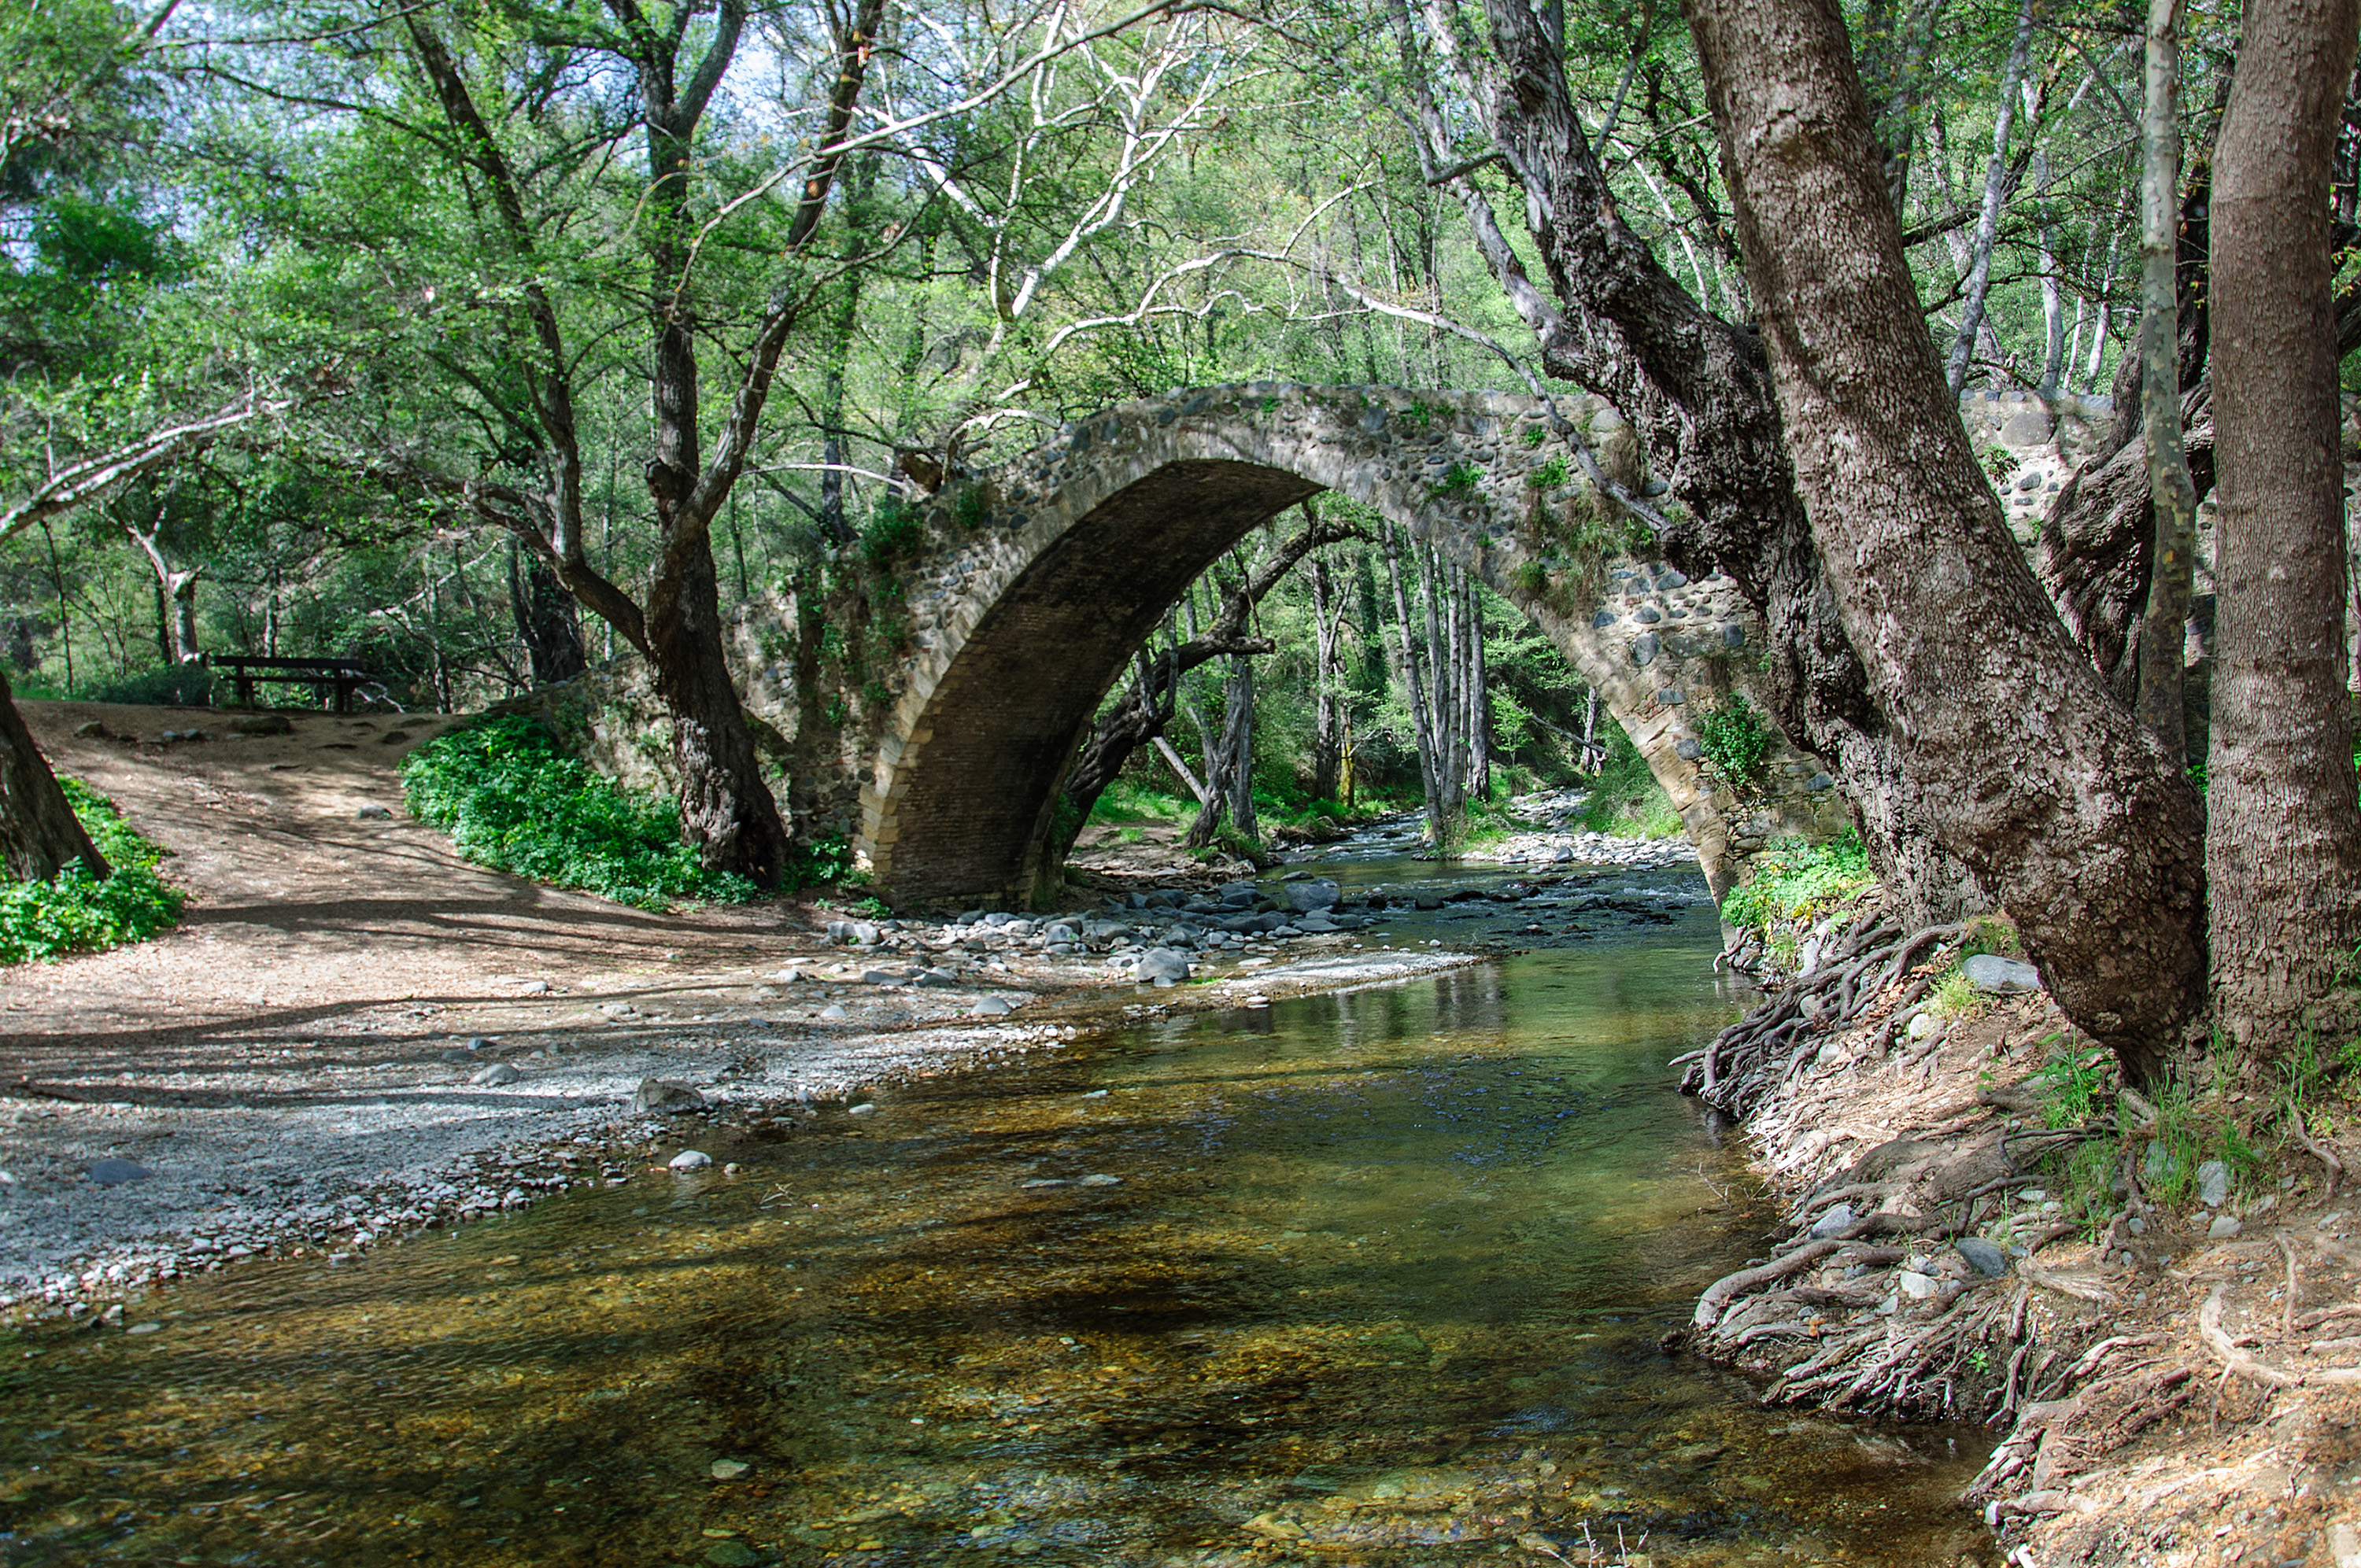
(1031, 584)
(1046, 575)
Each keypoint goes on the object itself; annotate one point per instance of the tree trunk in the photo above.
(1414, 683)
(1699, 397)
(2027, 769)
(2054, 354)
(1978, 282)
(2283, 852)
(39, 834)
(1238, 750)
(546, 621)
(2172, 493)
(727, 810)
(1326, 737)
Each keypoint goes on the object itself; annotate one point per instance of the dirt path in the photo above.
(354, 1031)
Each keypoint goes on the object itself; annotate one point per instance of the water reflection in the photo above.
(1372, 1278)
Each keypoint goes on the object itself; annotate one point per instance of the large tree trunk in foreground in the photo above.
(1696, 389)
(2027, 769)
(726, 808)
(39, 834)
(2283, 852)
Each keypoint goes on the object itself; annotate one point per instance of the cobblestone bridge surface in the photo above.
(1032, 584)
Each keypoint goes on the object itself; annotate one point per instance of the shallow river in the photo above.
(1379, 1279)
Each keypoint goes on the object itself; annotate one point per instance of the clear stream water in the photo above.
(1380, 1281)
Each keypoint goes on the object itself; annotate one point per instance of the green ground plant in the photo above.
(1625, 796)
(1794, 882)
(75, 912)
(511, 800)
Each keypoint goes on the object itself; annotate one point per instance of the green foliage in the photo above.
(1130, 800)
(1624, 797)
(511, 800)
(1794, 882)
(2069, 1083)
(894, 528)
(75, 912)
(174, 685)
(822, 862)
(1951, 997)
(1736, 738)
(1532, 576)
(1552, 475)
(972, 507)
(1458, 478)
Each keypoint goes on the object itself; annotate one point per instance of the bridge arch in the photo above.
(1049, 572)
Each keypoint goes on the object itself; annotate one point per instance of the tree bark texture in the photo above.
(2283, 852)
(1697, 392)
(2027, 769)
(39, 834)
(546, 621)
(2172, 492)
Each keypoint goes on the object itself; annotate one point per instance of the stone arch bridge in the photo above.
(1037, 582)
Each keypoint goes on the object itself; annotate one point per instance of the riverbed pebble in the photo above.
(690, 1159)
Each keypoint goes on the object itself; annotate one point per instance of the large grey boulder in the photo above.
(1306, 896)
(665, 1094)
(1160, 966)
(2000, 976)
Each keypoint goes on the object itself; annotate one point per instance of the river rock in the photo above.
(1100, 1181)
(2223, 1227)
(499, 1072)
(1983, 1258)
(834, 1013)
(690, 1159)
(665, 1094)
(992, 1008)
(2213, 1183)
(2000, 976)
(1917, 1286)
(1835, 1222)
(1306, 896)
(731, 1554)
(1160, 966)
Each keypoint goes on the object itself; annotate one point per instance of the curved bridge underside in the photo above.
(1046, 574)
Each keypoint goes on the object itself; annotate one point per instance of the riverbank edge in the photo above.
(541, 1147)
(2131, 1425)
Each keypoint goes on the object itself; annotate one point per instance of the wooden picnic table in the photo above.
(249, 671)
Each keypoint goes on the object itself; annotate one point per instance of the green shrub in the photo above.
(894, 528)
(74, 912)
(1796, 881)
(1735, 738)
(174, 685)
(511, 800)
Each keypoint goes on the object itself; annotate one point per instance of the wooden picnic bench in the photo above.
(249, 671)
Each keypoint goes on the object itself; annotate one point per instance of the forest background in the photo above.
(260, 297)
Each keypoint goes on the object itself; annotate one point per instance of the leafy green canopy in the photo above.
(511, 800)
(75, 912)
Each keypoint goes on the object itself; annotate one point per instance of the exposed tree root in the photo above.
(1854, 968)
